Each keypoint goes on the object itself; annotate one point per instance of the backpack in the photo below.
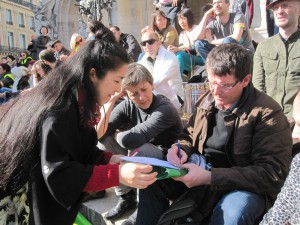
(192, 207)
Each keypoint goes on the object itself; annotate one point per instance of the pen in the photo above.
(178, 146)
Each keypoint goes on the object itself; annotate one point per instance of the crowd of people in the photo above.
(78, 111)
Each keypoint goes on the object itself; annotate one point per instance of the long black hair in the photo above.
(22, 117)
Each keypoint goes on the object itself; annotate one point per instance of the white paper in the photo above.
(149, 161)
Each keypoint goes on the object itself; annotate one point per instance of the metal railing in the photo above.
(5, 50)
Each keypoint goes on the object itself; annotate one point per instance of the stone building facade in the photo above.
(16, 24)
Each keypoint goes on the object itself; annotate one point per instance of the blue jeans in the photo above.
(187, 62)
(203, 47)
(238, 208)
(5, 89)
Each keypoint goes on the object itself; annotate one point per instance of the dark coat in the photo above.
(67, 154)
(258, 145)
(131, 45)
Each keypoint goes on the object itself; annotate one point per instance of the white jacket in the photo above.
(166, 75)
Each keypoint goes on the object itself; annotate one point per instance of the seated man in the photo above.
(128, 42)
(226, 28)
(6, 78)
(152, 125)
(241, 139)
(286, 208)
(61, 52)
(164, 67)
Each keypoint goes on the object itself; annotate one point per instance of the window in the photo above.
(21, 20)
(11, 40)
(31, 21)
(22, 41)
(9, 17)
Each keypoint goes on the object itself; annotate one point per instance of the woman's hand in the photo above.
(172, 48)
(136, 175)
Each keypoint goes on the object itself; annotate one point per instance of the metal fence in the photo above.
(5, 50)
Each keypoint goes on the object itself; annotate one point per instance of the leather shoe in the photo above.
(126, 203)
(131, 219)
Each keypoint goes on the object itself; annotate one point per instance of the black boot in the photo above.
(131, 219)
(126, 202)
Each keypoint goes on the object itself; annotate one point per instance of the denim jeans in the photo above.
(5, 89)
(203, 47)
(238, 208)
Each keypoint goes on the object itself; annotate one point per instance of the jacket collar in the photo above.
(242, 108)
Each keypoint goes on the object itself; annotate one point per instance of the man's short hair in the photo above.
(54, 42)
(47, 55)
(230, 59)
(136, 73)
(117, 28)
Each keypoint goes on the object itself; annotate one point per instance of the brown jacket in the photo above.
(258, 147)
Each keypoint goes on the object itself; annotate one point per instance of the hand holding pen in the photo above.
(176, 156)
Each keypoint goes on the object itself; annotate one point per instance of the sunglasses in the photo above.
(78, 42)
(23, 55)
(150, 42)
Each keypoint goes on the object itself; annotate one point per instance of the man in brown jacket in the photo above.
(237, 146)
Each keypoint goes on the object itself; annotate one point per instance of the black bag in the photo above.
(191, 208)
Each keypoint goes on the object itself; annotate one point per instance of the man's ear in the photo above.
(93, 75)
(247, 80)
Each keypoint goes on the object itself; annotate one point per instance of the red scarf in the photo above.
(95, 117)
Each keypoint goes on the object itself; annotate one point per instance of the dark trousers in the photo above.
(156, 197)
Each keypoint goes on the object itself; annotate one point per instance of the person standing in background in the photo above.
(276, 68)
(42, 40)
(32, 47)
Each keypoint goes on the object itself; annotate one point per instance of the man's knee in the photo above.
(238, 207)
(229, 40)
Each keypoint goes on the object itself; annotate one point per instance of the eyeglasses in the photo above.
(223, 87)
(283, 6)
(23, 55)
(150, 42)
(78, 42)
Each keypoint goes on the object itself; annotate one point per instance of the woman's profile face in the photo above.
(109, 85)
(161, 22)
(183, 22)
(40, 70)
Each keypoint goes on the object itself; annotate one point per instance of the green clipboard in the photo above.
(164, 172)
(81, 220)
(163, 168)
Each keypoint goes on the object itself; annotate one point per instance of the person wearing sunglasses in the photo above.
(164, 67)
(76, 42)
(243, 143)
(24, 59)
(276, 69)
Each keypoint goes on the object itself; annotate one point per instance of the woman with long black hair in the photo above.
(48, 139)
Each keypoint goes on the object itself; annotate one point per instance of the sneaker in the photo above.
(131, 219)
(126, 203)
